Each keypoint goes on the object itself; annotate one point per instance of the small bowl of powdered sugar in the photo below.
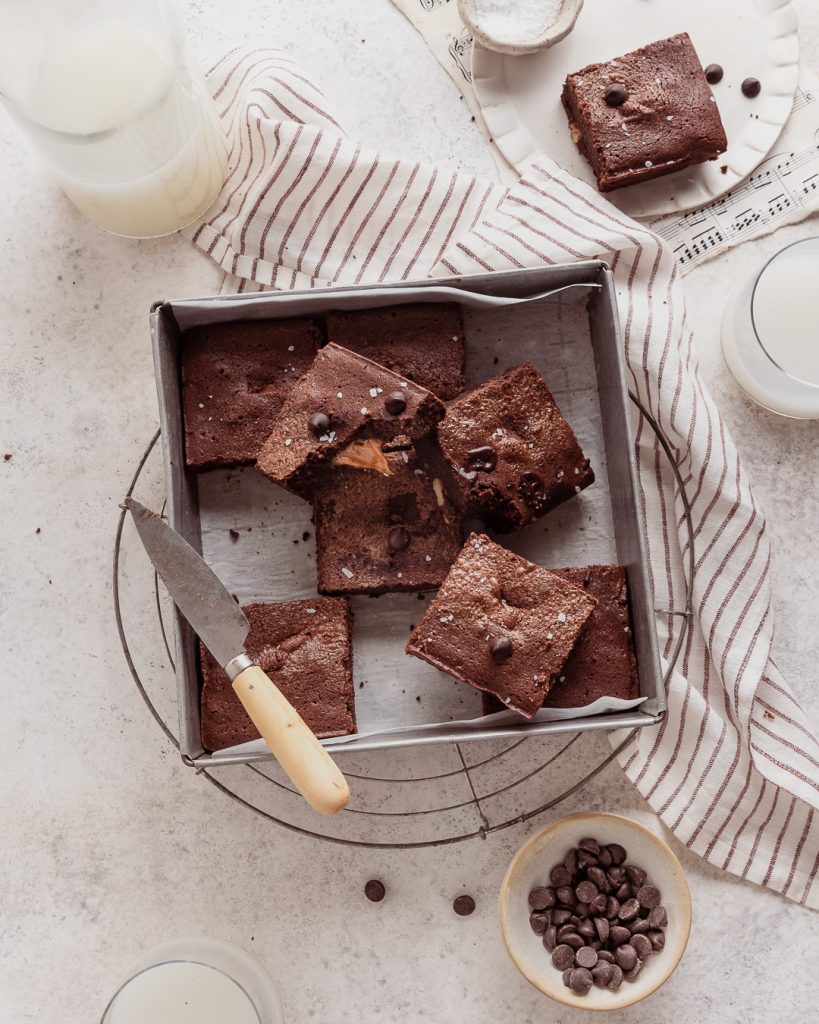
(519, 26)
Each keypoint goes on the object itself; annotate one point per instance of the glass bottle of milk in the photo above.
(110, 96)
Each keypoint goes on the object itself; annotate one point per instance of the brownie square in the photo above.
(669, 119)
(510, 453)
(377, 534)
(359, 402)
(602, 663)
(306, 649)
(502, 624)
(234, 379)
(423, 342)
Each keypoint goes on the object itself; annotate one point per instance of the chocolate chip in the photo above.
(587, 930)
(587, 891)
(657, 940)
(550, 937)
(565, 895)
(567, 977)
(595, 944)
(395, 403)
(574, 940)
(463, 905)
(658, 918)
(635, 875)
(398, 539)
(585, 957)
(604, 858)
(601, 974)
(626, 957)
(566, 929)
(559, 875)
(616, 875)
(649, 896)
(603, 928)
(616, 94)
(319, 423)
(580, 980)
(639, 927)
(234, 535)
(538, 922)
(590, 846)
(600, 904)
(501, 647)
(482, 459)
(563, 957)
(541, 898)
(598, 876)
(625, 892)
(714, 73)
(618, 853)
(585, 860)
(612, 908)
(751, 88)
(375, 891)
(532, 490)
(581, 910)
(618, 935)
(635, 970)
(616, 979)
(570, 860)
(604, 954)
(643, 946)
(560, 916)
(629, 910)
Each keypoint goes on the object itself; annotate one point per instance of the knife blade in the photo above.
(223, 628)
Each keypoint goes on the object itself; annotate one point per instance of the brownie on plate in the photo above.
(344, 401)
(643, 115)
(502, 624)
(234, 379)
(306, 649)
(602, 663)
(379, 533)
(424, 342)
(510, 453)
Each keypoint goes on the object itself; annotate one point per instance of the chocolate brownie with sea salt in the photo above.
(423, 341)
(379, 533)
(502, 625)
(510, 453)
(306, 649)
(343, 409)
(234, 379)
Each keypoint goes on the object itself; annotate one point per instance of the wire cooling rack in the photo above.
(402, 799)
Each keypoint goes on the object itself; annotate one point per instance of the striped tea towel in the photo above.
(733, 768)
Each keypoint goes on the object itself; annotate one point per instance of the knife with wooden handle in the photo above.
(223, 628)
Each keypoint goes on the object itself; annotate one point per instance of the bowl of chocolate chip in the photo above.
(595, 911)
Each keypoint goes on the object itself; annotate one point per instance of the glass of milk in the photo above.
(197, 981)
(109, 94)
(770, 332)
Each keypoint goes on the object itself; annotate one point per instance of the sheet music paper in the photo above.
(784, 188)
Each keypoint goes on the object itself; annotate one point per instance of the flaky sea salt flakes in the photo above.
(403, 384)
(670, 117)
(347, 572)
(561, 616)
(373, 392)
(291, 348)
(288, 441)
(405, 456)
(427, 558)
(339, 394)
(550, 636)
(576, 489)
(649, 163)
(400, 575)
(364, 410)
(310, 611)
(576, 471)
(201, 405)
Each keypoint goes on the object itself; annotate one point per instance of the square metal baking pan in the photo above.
(575, 338)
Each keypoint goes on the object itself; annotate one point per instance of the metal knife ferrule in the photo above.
(238, 664)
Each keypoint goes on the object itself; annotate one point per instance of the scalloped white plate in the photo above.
(520, 96)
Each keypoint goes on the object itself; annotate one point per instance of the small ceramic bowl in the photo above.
(531, 866)
(558, 30)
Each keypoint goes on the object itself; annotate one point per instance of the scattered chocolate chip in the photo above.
(574, 940)
(559, 875)
(657, 940)
(8, 457)
(319, 424)
(612, 908)
(635, 970)
(635, 875)
(751, 88)
(649, 896)
(639, 926)
(713, 74)
(567, 977)
(580, 980)
(629, 910)
(463, 905)
(598, 876)
(618, 853)
(541, 898)
(587, 891)
(615, 94)
(375, 891)
(604, 857)
(306, 535)
(563, 957)
(234, 534)
(616, 979)
(570, 860)
(626, 957)
(625, 892)
(395, 403)
(532, 490)
(550, 937)
(565, 895)
(618, 935)
(590, 846)
(643, 946)
(605, 954)
(585, 860)
(500, 647)
(601, 973)
(398, 538)
(658, 918)
(603, 928)
(587, 930)
(538, 921)
(599, 904)
(483, 459)
(560, 916)
(585, 957)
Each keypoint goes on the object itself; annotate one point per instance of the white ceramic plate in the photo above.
(520, 96)
(530, 867)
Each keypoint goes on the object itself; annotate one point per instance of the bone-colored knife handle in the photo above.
(310, 768)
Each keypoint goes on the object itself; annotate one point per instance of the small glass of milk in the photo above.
(198, 981)
(770, 332)
(109, 94)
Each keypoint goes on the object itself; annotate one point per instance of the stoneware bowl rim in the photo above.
(561, 27)
(676, 896)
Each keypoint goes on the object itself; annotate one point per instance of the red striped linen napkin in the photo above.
(732, 769)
